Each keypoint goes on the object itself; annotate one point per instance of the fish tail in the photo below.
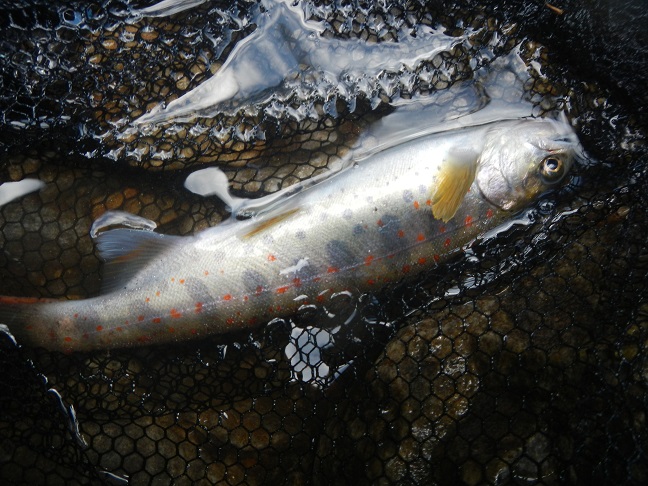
(21, 315)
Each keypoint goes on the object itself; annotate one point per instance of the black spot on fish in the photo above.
(300, 235)
(389, 240)
(253, 282)
(197, 290)
(408, 196)
(358, 229)
(340, 253)
(389, 224)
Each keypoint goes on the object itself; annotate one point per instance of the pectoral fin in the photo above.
(455, 177)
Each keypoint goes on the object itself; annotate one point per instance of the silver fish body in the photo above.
(368, 225)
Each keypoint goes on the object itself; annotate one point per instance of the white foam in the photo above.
(288, 55)
(111, 219)
(9, 191)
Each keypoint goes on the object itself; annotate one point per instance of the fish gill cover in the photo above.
(523, 360)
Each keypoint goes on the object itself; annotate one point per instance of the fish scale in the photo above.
(368, 225)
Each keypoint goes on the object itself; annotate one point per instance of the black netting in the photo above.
(522, 361)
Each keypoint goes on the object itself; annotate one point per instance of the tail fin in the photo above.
(19, 314)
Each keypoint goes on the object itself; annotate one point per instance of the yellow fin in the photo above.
(268, 223)
(455, 177)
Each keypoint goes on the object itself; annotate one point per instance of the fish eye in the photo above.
(552, 169)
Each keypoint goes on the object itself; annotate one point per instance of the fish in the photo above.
(388, 217)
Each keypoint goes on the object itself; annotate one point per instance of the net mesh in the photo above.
(522, 362)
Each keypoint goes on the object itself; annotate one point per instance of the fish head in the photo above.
(524, 159)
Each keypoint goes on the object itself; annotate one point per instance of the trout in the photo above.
(385, 218)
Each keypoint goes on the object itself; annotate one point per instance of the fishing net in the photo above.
(521, 361)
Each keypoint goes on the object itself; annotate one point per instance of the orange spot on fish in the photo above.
(297, 282)
(416, 204)
(173, 279)
(442, 229)
(157, 294)
(119, 329)
(368, 260)
(437, 258)
(420, 237)
(271, 258)
(147, 300)
(230, 321)
(245, 298)
(332, 270)
(422, 261)
(380, 223)
(199, 306)
(175, 314)
(253, 320)
(76, 315)
(67, 339)
(489, 213)
(100, 328)
(227, 297)
(171, 329)
(468, 221)
(406, 268)
(428, 202)
(317, 279)
(320, 298)
(126, 323)
(447, 242)
(144, 339)
(157, 320)
(401, 233)
(193, 331)
(282, 290)
(140, 318)
(182, 280)
(206, 273)
(259, 289)
(371, 281)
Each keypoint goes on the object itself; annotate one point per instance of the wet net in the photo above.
(521, 361)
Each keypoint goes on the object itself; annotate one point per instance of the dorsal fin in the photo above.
(456, 175)
(127, 251)
(267, 223)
